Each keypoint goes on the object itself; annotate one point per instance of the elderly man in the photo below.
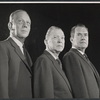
(15, 62)
(49, 78)
(81, 73)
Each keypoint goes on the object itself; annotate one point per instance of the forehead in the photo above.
(56, 32)
(81, 30)
(21, 15)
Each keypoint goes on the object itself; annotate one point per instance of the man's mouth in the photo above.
(83, 42)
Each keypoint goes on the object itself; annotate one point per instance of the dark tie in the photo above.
(25, 53)
(86, 57)
(59, 62)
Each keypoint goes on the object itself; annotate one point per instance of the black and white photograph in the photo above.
(49, 50)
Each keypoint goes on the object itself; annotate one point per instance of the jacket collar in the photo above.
(19, 53)
(77, 52)
(56, 65)
(88, 62)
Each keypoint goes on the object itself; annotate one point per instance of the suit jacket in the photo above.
(82, 75)
(15, 71)
(49, 79)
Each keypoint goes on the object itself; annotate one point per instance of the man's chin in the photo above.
(23, 37)
(81, 48)
(59, 50)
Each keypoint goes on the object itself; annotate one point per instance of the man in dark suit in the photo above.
(49, 78)
(15, 62)
(82, 75)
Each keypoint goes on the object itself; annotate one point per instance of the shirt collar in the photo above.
(78, 50)
(52, 54)
(17, 42)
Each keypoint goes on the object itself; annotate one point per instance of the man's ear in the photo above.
(45, 41)
(10, 26)
(71, 39)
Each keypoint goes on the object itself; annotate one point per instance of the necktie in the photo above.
(21, 48)
(59, 62)
(25, 52)
(27, 58)
(86, 57)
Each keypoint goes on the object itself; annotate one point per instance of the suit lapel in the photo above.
(90, 65)
(56, 65)
(76, 51)
(21, 56)
(28, 58)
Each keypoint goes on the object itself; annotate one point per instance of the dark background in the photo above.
(63, 15)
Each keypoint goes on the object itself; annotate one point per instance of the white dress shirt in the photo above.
(19, 44)
(78, 50)
(52, 54)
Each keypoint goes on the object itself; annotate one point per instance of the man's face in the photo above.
(80, 39)
(21, 24)
(56, 40)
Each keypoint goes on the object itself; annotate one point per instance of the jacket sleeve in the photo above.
(3, 72)
(43, 79)
(75, 75)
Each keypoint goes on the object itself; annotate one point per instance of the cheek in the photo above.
(87, 39)
(53, 43)
(29, 28)
(63, 42)
(74, 41)
(50, 43)
(17, 28)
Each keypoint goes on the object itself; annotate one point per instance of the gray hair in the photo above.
(49, 31)
(13, 14)
(73, 29)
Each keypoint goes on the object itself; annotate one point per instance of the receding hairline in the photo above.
(14, 13)
(74, 27)
(49, 31)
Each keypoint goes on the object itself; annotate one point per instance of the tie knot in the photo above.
(58, 61)
(24, 49)
(85, 56)
(23, 46)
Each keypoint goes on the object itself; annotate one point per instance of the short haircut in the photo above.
(13, 14)
(49, 31)
(73, 29)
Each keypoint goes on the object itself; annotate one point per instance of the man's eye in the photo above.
(79, 34)
(54, 37)
(28, 23)
(62, 37)
(20, 21)
(86, 34)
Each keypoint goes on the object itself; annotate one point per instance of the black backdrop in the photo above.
(63, 15)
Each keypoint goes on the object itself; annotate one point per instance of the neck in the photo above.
(18, 38)
(81, 49)
(55, 53)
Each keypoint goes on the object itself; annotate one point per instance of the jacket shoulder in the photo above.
(42, 58)
(4, 42)
(70, 53)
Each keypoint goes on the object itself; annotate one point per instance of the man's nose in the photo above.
(59, 40)
(25, 24)
(83, 37)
